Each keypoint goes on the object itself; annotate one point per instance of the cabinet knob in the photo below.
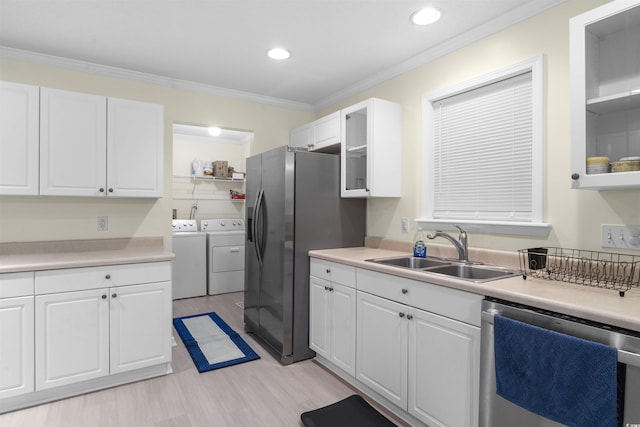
(326, 288)
(401, 314)
(113, 295)
(409, 316)
(101, 190)
(104, 297)
(575, 176)
(111, 190)
(328, 271)
(108, 276)
(404, 291)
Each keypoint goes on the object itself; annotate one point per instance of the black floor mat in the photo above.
(349, 412)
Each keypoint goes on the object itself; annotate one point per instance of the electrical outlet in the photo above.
(404, 225)
(621, 236)
(103, 223)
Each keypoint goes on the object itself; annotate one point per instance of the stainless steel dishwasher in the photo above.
(498, 412)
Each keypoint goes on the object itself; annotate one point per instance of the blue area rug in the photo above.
(211, 343)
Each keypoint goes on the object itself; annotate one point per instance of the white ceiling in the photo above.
(339, 47)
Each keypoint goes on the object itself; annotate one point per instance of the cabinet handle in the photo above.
(104, 297)
(401, 314)
(101, 190)
(108, 276)
(409, 316)
(404, 291)
(113, 295)
(575, 176)
(111, 190)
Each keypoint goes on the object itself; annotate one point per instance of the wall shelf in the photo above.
(210, 178)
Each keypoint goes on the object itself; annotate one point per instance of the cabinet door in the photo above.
(326, 131)
(135, 149)
(140, 325)
(371, 149)
(301, 137)
(444, 370)
(19, 124)
(319, 317)
(73, 138)
(343, 327)
(72, 337)
(381, 349)
(16, 346)
(605, 95)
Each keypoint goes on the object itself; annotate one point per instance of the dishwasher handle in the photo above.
(625, 357)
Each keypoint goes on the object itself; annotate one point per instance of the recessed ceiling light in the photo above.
(425, 16)
(278, 53)
(214, 131)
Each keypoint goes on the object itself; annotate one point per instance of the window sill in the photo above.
(487, 227)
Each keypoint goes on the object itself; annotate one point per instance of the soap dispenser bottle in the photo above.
(419, 248)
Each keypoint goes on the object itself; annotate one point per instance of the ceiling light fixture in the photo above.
(425, 16)
(214, 131)
(278, 53)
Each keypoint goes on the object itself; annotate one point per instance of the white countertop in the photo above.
(596, 304)
(52, 255)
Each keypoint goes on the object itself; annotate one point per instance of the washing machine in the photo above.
(225, 255)
(189, 272)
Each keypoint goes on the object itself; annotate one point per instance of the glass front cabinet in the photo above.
(605, 97)
(371, 149)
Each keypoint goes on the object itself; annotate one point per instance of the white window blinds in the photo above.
(483, 150)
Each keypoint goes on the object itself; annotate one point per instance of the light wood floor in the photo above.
(258, 393)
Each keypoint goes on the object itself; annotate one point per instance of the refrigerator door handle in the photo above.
(257, 225)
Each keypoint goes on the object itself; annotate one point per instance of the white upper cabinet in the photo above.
(371, 149)
(605, 95)
(19, 117)
(73, 143)
(135, 148)
(318, 135)
(96, 146)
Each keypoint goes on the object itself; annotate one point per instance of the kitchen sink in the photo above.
(411, 262)
(473, 272)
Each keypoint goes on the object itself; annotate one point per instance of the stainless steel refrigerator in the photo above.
(293, 206)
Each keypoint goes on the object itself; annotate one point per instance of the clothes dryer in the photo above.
(225, 255)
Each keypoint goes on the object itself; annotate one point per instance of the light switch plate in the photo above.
(103, 223)
(621, 236)
(404, 225)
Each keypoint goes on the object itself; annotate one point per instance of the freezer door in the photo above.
(252, 266)
(276, 286)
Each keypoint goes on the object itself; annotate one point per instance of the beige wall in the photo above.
(33, 218)
(575, 215)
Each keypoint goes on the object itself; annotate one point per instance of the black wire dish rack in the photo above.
(618, 272)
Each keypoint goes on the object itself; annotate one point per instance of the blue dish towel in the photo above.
(561, 377)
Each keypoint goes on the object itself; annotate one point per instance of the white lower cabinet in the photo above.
(424, 363)
(444, 370)
(89, 334)
(417, 344)
(68, 331)
(332, 314)
(72, 337)
(16, 334)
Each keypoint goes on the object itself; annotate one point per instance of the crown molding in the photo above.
(57, 61)
(504, 21)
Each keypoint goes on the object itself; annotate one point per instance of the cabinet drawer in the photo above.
(16, 284)
(451, 303)
(334, 272)
(74, 279)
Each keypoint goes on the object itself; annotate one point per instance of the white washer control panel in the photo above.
(184, 225)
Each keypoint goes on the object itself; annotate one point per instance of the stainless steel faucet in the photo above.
(460, 244)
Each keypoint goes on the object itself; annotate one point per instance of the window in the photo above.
(482, 153)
